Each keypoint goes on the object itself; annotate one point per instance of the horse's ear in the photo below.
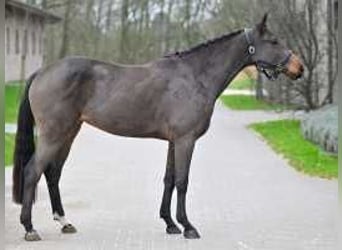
(262, 26)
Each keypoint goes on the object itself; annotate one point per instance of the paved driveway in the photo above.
(241, 196)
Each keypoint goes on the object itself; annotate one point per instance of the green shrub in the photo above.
(321, 127)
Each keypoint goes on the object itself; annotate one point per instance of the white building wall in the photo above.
(16, 21)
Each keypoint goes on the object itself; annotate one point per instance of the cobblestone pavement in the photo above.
(242, 196)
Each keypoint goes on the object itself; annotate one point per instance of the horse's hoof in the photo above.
(173, 230)
(32, 236)
(191, 234)
(69, 229)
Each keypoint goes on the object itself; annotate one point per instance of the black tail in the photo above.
(24, 144)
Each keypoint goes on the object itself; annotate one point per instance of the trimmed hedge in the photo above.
(321, 127)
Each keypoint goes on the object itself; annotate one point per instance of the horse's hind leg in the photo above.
(33, 172)
(52, 176)
(169, 185)
(49, 147)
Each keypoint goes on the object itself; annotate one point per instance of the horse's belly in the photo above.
(127, 127)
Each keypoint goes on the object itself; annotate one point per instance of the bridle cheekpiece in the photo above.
(271, 71)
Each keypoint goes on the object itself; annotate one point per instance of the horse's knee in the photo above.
(182, 186)
(169, 181)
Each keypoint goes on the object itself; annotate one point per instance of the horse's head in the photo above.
(269, 55)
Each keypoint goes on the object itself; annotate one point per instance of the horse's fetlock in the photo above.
(182, 219)
(163, 215)
(26, 222)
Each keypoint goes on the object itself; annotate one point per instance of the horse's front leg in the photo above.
(169, 185)
(183, 153)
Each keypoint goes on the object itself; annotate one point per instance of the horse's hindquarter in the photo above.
(58, 94)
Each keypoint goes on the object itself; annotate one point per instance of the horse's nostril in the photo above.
(299, 75)
(300, 72)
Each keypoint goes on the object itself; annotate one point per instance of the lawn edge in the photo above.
(293, 163)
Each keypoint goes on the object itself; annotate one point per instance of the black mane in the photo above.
(205, 44)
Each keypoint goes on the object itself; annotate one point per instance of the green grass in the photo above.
(285, 137)
(12, 101)
(9, 147)
(15, 82)
(246, 102)
(242, 83)
(13, 93)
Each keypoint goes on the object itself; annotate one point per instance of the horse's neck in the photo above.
(215, 66)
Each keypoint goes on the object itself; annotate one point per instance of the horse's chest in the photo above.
(192, 118)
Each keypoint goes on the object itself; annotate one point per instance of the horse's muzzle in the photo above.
(295, 68)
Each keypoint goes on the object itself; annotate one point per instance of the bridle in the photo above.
(271, 71)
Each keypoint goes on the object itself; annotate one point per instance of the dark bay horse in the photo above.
(171, 98)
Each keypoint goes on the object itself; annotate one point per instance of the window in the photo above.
(34, 41)
(8, 41)
(17, 45)
(25, 42)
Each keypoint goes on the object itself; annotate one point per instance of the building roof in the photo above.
(46, 15)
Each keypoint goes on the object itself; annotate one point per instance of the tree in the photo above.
(124, 30)
(301, 25)
(331, 51)
(130, 31)
(66, 26)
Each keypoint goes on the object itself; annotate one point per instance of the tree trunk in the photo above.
(24, 49)
(329, 98)
(44, 4)
(98, 27)
(187, 20)
(124, 30)
(32, 2)
(89, 8)
(259, 87)
(167, 35)
(65, 33)
(163, 28)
